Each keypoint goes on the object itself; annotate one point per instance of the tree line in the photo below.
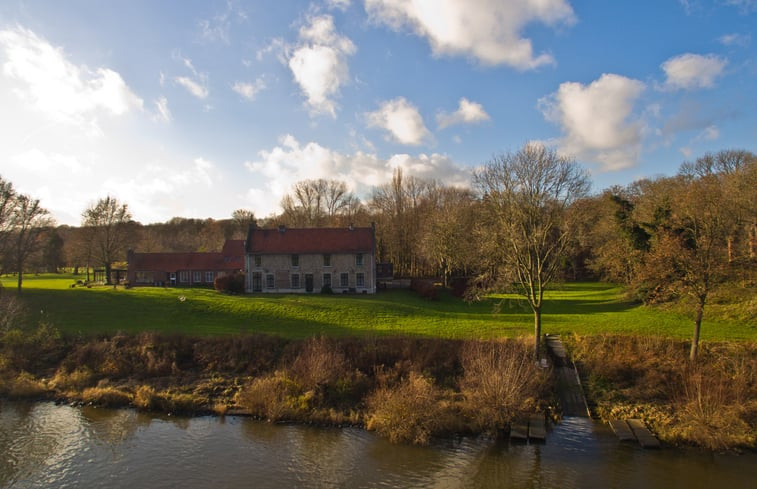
(526, 221)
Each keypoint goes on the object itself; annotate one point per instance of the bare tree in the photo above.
(524, 234)
(106, 229)
(28, 221)
(7, 202)
(315, 203)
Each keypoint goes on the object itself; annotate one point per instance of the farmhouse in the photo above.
(311, 260)
(185, 269)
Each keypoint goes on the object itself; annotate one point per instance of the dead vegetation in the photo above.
(712, 403)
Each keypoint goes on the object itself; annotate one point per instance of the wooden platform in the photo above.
(568, 383)
(519, 430)
(645, 437)
(622, 430)
(537, 427)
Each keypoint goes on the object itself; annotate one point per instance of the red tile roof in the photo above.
(310, 240)
(231, 258)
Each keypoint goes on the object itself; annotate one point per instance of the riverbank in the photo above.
(406, 389)
(712, 404)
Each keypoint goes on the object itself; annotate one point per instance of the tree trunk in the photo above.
(537, 331)
(697, 329)
(20, 279)
(107, 274)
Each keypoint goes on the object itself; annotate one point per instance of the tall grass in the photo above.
(712, 404)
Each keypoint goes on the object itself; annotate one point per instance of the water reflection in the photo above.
(44, 445)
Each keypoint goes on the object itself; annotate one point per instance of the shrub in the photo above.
(272, 397)
(319, 362)
(409, 412)
(106, 397)
(25, 386)
(232, 283)
(500, 381)
(145, 397)
(76, 380)
(424, 287)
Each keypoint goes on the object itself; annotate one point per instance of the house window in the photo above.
(196, 277)
(257, 260)
(145, 277)
(327, 280)
(209, 277)
(344, 280)
(295, 260)
(295, 280)
(269, 282)
(360, 279)
(184, 276)
(326, 260)
(359, 260)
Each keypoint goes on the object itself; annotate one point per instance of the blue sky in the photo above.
(197, 108)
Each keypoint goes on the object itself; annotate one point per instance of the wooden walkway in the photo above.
(568, 383)
(634, 430)
(533, 428)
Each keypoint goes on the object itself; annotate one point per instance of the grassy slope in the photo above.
(583, 308)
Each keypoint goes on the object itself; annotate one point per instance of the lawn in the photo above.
(584, 308)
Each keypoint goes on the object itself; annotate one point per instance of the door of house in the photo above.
(173, 279)
(308, 282)
(257, 282)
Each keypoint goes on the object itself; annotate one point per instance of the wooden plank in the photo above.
(645, 437)
(537, 429)
(519, 430)
(622, 430)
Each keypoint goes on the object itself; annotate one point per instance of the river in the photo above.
(47, 446)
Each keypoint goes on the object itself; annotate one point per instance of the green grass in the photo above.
(583, 308)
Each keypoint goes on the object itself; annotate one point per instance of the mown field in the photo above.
(582, 308)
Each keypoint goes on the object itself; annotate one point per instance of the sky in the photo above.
(197, 108)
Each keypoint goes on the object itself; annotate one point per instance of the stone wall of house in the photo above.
(344, 271)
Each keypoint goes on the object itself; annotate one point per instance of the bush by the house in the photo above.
(231, 284)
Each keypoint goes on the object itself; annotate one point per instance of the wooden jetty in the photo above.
(622, 430)
(537, 428)
(534, 428)
(519, 430)
(568, 382)
(645, 437)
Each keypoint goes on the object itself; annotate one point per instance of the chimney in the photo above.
(282, 228)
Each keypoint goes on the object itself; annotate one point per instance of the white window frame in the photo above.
(295, 280)
(270, 281)
(184, 276)
(257, 260)
(326, 283)
(295, 261)
(360, 279)
(209, 277)
(326, 260)
(342, 282)
(196, 277)
(359, 259)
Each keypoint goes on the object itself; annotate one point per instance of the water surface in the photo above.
(43, 446)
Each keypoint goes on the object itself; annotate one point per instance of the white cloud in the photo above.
(745, 6)
(487, 30)
(290, 162)
(198, 89)
(689, 71)
(401, 119)
(339, 4)
(47, 81)
(319, 63)
(596, 120)
(467, 113)
(249, 90)
(735, 39)
(217, 28)
(163, 113)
